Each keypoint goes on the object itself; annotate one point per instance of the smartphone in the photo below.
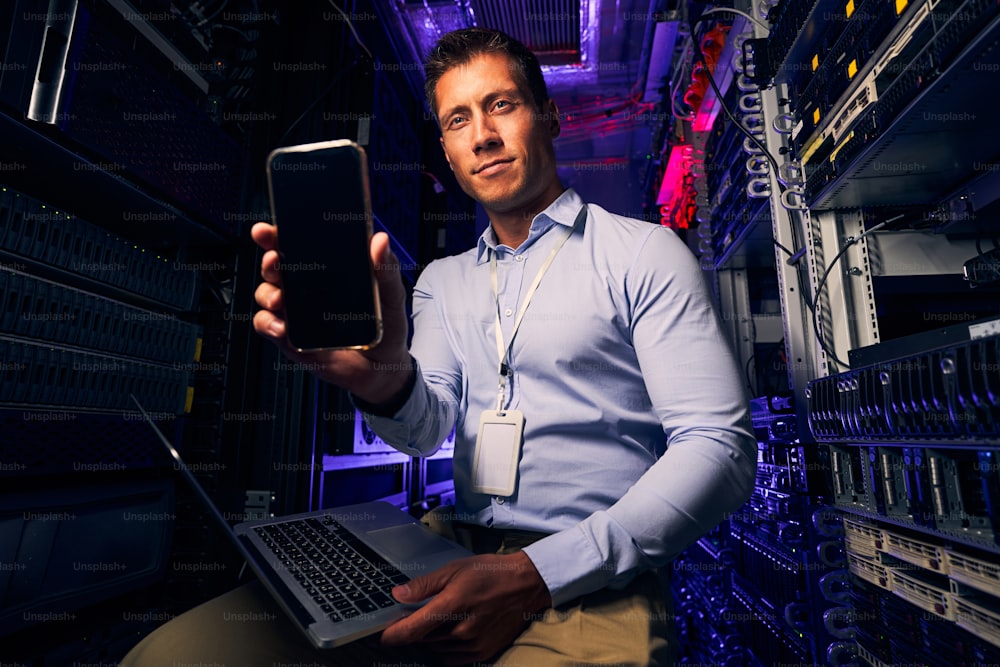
(321, 205)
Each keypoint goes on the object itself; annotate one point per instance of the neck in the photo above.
(512, 227)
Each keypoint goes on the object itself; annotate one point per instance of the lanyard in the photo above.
(503, 351)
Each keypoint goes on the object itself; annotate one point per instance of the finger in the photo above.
(265, 235)
(422, 587)
(440, 636)
(269, 267)
(269, 297)
(383, 258)
(420, 623)
(268, 325)
(458, 633)
(390, 283)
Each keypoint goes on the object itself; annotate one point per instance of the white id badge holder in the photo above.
(498, 447)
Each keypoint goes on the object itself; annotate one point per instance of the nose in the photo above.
(485, 133)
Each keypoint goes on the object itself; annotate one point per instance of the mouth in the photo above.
(493, 167)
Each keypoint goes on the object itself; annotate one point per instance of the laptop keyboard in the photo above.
(343, 575)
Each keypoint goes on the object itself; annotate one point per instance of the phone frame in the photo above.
(369, 232)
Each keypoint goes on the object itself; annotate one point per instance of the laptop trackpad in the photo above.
(407, 542)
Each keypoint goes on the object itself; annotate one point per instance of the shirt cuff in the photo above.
(401, 427)
(570, 564)
(395, 403)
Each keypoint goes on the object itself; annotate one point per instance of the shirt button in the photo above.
(499, 500)
(508, 312)
(519, 258)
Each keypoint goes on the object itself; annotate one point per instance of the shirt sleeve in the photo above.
(709, 466)
(424, 421)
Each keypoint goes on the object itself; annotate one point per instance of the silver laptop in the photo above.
(332, 570)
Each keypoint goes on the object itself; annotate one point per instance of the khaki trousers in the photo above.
(245, 628)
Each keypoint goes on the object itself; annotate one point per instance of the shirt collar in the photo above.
(562, 211)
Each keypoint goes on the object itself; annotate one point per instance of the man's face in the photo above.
(495, 139)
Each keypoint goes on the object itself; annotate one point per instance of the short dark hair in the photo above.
(460, 46)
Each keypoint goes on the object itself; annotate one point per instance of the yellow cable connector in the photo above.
(811, 148)
(833, 155)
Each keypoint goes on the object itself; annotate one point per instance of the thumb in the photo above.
(386, 264)
(421, 588)
(383, 258)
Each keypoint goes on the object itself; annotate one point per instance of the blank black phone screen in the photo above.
(319, 200)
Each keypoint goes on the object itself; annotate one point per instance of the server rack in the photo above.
(117, 261)
(134, 136)
(865, 198)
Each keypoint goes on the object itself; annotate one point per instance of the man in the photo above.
(609, 354)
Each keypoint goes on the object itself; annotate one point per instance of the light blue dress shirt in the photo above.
(637, 437)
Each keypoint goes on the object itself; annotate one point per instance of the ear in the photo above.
(441, 139)
(553, 116)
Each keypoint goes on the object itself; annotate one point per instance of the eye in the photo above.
(456, 121)
(502, 104)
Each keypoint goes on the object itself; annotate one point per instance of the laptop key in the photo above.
(366, 606)
(382, 600)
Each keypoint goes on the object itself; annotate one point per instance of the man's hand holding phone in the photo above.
(374, 375)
